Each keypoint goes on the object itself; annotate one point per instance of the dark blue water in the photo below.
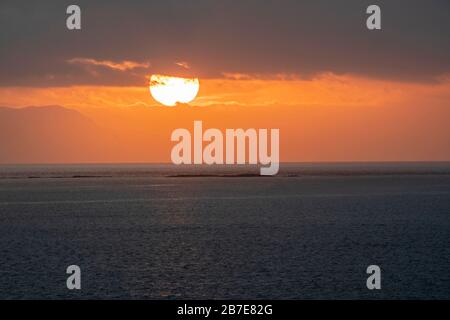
(146, 232)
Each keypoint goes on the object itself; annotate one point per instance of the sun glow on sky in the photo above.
(172, 90)
(327, 118)
(326, 90)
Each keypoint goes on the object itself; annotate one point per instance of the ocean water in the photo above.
(165, 232)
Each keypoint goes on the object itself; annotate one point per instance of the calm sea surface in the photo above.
(163, 232)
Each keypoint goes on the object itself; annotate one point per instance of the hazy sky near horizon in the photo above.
(215, 38)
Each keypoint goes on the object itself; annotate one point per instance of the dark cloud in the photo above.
(220, 36)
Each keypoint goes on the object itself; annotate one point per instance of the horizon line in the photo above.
(227, 165)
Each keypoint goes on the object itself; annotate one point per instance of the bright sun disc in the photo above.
(172, 90)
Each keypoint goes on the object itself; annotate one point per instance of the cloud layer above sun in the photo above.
(301, 38)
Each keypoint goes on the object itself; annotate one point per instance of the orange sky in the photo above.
(328, 118)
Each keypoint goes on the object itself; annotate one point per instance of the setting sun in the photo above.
(172, 90)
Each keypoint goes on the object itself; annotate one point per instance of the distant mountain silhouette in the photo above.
(46, 134)
(54, 134)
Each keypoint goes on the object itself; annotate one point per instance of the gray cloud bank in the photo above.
(217, 36)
